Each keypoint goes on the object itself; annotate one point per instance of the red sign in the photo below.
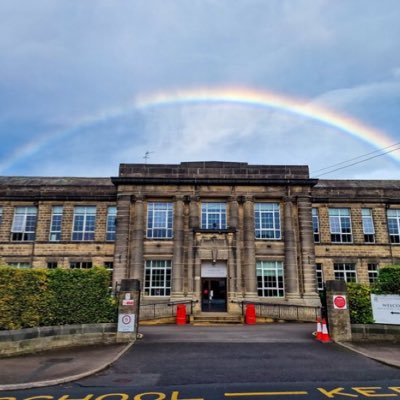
(340, 302)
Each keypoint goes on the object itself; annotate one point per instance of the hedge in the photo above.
(360, 303)
(388, 281)
(39, 297)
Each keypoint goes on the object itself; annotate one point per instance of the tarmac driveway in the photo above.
(275, 353)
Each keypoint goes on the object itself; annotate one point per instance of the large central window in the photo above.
(340, 225)
(84, 223)
(267, 221)
(24, 224)
(213, 215)
(157, 280)
(270, 279)
(159, 220)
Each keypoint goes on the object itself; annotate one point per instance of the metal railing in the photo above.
(163, 309)
(279, 311)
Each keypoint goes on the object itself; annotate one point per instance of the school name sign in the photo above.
(386, 308)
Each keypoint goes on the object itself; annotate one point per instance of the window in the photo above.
(372, 272)
(157, 278)
(110, 228)
(315, 224)
(345, 272)
(393, 217)
(80, 264)
(270, 279)
(340, 225)
(24, 224)
(267, 221)
(1, 215)
(159, 220)
(213, 215)
(109, 265)
(52, 264)
(84, 223)
(320, 276)
(20, 264)
(368, 225)
(55, 224)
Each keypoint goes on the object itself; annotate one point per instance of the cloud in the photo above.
(66, 61)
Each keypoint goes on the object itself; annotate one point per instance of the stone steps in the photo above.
(209, 319)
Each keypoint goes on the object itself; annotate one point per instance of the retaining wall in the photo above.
(14, 342)
(377, 332)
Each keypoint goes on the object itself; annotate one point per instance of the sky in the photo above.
(87, 85)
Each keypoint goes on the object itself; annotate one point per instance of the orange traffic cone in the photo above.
(318, 336)
(325, 338)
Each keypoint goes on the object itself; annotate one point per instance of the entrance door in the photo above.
(213, 295)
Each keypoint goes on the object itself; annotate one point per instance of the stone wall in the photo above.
(23, 341)
(375, 332)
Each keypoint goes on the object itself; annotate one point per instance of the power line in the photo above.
(356, 158)
(359, 162)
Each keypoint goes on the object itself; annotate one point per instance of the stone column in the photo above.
(291, 274)
(307, 249)
(137, 245)
(233, 223)
(194, 223)
(177, 261)
(121, 251)
(249, 259)
(188, 250)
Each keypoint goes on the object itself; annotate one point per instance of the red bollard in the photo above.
(181, 314)
(250, 314)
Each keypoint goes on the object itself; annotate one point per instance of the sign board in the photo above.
(126, 322)
(128, 303)
(339, 302)
(386, 308)
(210, 270)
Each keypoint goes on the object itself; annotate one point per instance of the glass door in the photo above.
(213, 295)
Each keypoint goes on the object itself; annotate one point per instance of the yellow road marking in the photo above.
(263, 394)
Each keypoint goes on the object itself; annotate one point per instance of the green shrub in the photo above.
(388, 281)
(37, 297)
(360, 303)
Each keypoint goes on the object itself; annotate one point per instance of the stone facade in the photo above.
(262, 249)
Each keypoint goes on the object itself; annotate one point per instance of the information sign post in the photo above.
(128, 310)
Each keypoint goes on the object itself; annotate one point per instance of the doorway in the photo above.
(213, 294)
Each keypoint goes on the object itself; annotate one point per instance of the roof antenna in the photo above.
(147, 155)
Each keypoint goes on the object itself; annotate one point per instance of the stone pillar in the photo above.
(177, 261)
(121, 239)
(307, 249)
(137, 245)
(194, 222)
(291, 274)
(338, 319)
(249, 249)
(188, 251)
(233, 287)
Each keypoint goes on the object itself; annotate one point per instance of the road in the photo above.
(273, 361)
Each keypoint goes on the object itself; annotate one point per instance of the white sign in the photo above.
(386, 308)
(126, 322)
(339, 302)
(217, 270)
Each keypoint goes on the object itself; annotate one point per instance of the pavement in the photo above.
(59, 366)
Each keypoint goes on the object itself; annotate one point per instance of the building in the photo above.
(215, 232)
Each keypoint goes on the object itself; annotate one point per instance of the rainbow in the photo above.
(237, 95)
